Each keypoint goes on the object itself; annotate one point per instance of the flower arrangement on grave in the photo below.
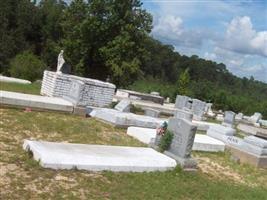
(162, 129)
(165, 136)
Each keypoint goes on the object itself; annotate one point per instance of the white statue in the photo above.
(60, 62)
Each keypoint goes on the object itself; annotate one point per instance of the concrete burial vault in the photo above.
(98, 157)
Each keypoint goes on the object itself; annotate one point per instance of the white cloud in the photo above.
(169, 29)
(243, 65)
(210, 56)
(168, 26)
(242, 38)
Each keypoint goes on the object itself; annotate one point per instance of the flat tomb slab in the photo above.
(98, 157)
(35, 101)
(249, 158)
(13, 80)
(121, 119)
(201, 142)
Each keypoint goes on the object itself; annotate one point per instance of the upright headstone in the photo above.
(123, 106)
(198, 109)
(180, 149)
(181, 101)
(183, 114)
(229, 119)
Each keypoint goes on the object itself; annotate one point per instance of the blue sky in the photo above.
(231, 32)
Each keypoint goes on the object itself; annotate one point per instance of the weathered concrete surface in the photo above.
(201, 142)
(121, 119)
(98, 157)
(167, 108)
(13, 80)
(79, 90)
(202, 125)
(144, 96)
(249, 158)
(251, 130)
(35, 101)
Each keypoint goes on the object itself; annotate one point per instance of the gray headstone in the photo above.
(75, 92)
(152, 112)
(184, 134)
(181, 101)
(123, 106)
(229, 118)
(183, 114)
(198, 109)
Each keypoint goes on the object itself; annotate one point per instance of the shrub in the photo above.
(165, 141)
(27, 66)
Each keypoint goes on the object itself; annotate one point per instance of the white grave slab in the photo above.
(35, 101)
(201, 142)
(121, 119)
(98, 157)
(13, 80)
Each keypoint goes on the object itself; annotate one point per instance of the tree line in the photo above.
(112, 39)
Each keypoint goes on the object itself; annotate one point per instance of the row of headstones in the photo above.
(198, 107)
(230, 117)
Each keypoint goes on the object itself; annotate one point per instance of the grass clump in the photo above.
(165, 141)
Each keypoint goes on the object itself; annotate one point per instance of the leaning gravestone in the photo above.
(229, 118)
(123, 106)
(183, 138)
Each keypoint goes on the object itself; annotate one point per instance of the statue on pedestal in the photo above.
(60, 62)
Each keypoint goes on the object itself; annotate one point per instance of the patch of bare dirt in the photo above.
(214, 169)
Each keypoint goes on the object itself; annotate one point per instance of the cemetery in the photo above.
(65, 93)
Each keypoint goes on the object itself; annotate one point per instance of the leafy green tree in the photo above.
(27, 66)
(104, 38)
(51, 12)
(183, 83)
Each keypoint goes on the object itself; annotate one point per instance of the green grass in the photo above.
(33, 88)
(23, 178)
